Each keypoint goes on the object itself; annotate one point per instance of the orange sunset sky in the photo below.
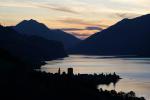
(78, 17)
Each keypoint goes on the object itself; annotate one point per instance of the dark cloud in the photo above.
(86, 28)
(90, 25)
(82, 33)
(93, 28)
(79, 35)
(71, 29)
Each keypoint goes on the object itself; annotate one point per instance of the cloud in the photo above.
(127, 15)
(17, 4)
(82, 22)
(82, 29)
(82, 33)
(58, 8)
(75, 21)
(79, 34)
(30, 4)
(94, 28)
(132, 1)
(71, 29)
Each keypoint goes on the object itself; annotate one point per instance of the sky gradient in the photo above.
(79, 17)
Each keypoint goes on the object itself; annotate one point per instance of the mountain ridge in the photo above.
(32, 49)
(127, 37)
(32, 27)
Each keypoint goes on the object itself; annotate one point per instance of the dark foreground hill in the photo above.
(17, 83)
(127, 37)
(34, 28)
(34, 49)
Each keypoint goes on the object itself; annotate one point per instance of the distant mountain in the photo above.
(34, 28)
(127, 37)
(31, 49)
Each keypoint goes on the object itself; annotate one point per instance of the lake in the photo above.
(134, 71)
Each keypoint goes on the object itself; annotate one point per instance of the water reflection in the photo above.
(134, 71)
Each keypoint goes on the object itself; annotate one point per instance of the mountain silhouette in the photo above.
(127, 37)
(7, 61)
(31, 49)
(34, 28)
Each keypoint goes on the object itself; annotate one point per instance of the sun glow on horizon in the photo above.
(80, 18)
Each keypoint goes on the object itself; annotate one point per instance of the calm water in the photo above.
(134, 71)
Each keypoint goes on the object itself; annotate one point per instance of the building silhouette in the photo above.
(70, 71)
(59, 71)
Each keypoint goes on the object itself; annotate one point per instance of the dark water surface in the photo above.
(134, 71)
